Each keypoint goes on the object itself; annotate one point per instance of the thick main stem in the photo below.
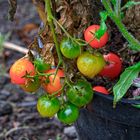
(51, 24)
(134, 42)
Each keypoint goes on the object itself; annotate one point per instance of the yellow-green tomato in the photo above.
(90, 64)
(48, 107)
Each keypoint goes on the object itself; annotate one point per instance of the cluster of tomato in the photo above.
(31, 75)
(91, 64)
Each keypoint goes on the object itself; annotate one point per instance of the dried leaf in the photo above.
(47, 53)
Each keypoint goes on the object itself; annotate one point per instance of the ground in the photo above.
(19, 118)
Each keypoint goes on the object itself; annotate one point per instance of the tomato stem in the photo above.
(135, 44)
(51, 24)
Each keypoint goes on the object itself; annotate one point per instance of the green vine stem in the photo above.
(117, 20)
(51, 24)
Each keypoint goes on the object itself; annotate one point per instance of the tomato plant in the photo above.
(101, 89)
(54, 85)
(113, 66)
(21, 68)
(69, 48)
(90, 64)
(47, 107)
(32, 85)
(80, 93)
(68, 113)
(89, 35)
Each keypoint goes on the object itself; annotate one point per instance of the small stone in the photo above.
(5, 92)
(5, 108)
(70, 132)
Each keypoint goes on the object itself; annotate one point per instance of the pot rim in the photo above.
(123, 100)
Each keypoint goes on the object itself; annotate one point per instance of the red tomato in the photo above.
(113, 66)
(101, 89)
(19, 69)
(54, 86)
(95, 43)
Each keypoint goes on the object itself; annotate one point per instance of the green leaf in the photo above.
(113, 2)
(130, 4)
(99, 33)
(133, 47)
(136, 106)
(125, 81)
(103, 15)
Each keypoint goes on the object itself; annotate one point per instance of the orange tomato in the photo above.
(56, 85)
(19, 69)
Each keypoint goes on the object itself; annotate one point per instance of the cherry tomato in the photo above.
(19, 69)
(68, 114)
(90, 64)
(31, 86)
(56, 85)
(69, 48)
(89, 35)
(41, 65)
(80, 94)
(101, 89)
(113, 66)
(48, 107)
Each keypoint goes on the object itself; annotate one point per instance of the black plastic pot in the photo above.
(102, 122)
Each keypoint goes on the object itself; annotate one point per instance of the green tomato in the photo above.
(48, 107)
(68, 114)
(69, 48)
(90, 64)
(31, 85)
(80, 94)
(41, 65)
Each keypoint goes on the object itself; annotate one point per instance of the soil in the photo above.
(18, 116)
(19, 119)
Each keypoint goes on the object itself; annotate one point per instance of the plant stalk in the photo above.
(117, 20)
(51, 24)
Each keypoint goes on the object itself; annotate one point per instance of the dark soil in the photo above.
(19, 119)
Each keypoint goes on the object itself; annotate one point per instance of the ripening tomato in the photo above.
(69, 48)
(89, 35)
(32, 85)
(56, 85)
(90, 64)
(47, 107)
(113, 66)
(68, 114)
(19, 69)
(101, 89)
